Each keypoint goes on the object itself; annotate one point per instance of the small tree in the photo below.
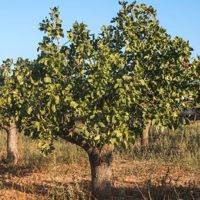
(97, 92)
(160, 65)
(12, 87)
(196, 85)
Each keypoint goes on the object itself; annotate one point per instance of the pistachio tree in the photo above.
(196, 85)
(99, 91)
(12, 93)
(158, 67)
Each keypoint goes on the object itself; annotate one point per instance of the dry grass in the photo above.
(181, 147)
(168, 169)
(131, 180)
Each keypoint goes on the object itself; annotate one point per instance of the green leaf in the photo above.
(9, 100)
(96, 138)
(102, 125)
(20, 79)
(53, 108)
(30, 109)
(113, 141)
(37, 125)
(57, 99)
(73, 104)
(126, 77)
(47, 79)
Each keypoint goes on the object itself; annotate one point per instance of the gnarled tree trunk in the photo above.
(100, 162)
(145, 134)
(12, 150)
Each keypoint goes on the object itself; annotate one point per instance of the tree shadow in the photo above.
(53, 190)
(82, 190)
(16, 170)
(153, 192)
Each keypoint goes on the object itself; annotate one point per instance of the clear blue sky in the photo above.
(19, 19)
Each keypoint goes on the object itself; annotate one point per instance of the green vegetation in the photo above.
(100, 92)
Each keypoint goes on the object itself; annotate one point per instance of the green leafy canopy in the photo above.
(96, 90)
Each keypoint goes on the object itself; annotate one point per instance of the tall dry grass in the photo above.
(180, 146)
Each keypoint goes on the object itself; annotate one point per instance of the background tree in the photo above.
(159, 64)
(12, 87)
(196, 85)
(98, 92)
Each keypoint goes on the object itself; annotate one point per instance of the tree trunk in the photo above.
(12, 151)
(145, 135)
(100, 162)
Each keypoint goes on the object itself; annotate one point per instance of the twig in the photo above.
(140, 192)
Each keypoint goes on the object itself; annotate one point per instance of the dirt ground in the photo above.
(131, 180)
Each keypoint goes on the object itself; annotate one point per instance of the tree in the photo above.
(98, 92)
(194, 112)
(162, 70)
(12, 87)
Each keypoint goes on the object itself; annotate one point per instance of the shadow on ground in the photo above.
(81, 190)
(157, 193)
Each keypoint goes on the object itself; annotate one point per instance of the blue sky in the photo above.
(19, 19)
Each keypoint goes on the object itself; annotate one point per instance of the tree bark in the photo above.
(100, 162)
(145, 134)
(12, 150)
